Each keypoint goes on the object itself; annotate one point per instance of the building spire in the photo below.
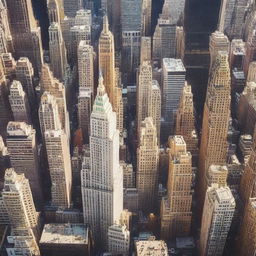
(105, 23)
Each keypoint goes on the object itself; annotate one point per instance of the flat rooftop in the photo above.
(173, 65)
(65, 233)
(154, 248)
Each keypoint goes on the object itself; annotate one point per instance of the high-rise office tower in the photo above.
(72, 6)
(9, 64)
(5, 111)
(25, 74)
(58, 55)
(145, 50)
(173, 79)
(180, 43)
(107, 67)
(250, 47)
(164, 38)
(58, 155)
(214, 145)
(26, 34)
(80, 31)
(251, 75)
(185, 121)
(55, 11)
(248, 181)
(176, 212)
(219, 208)
(102, 176)
(232, 17)
(19, 103)
(247, 234)
(107, 59)
(146, 17)
(237, 54)
(118, 240)
(23, 217)
(22, 146)
(218, 42)
(147, 166)
(131, 32)
(53, 86)
(86, 87)
(174, 9)
(49, 113)
(6, 44)
(148, 98)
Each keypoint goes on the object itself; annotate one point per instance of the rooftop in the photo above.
(172, 65)
(64, 234)
(154, 248)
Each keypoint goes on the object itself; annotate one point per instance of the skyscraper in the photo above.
(131, 13)
(185, 122)
(145, 50)
(5, 111)
(55, 11)
(19, 103)
(6, 43)
(247, 241)
(107, 67)
(25, 32)
(53, 86)
(218, 42)
(57, 48)
(86, 87)
(23, 217)
(219, 208)
(58, 155)
(147, 166)
(146, 17)
(102, 177)
(148, 98)
(176, 212)
(248, 181)
(107, 59)
(214, 145)
(118, 240)
(173, 79)
(48, 113)
(25, 74)
(71, 7)
(22, 146)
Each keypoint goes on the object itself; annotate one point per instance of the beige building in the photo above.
(55, 11)
(155, 247)
(218, 212)
(214, 145)
(247, 186)
(24, 219)
(57, 89)
(148, 98)
(86, 87)
(145, 49)
(185, 121)
(247, 234)
(25, 74)
(107, 67)
(58, 55)
(251, 76)
(58, 155)
(176, 212)
(147, 166)
(5, 110)
(48, 113)
(118, 240)
(218, 42)
(217, 174)
(26, 34)
(146, 17)
(22, 146)
(19, 103)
